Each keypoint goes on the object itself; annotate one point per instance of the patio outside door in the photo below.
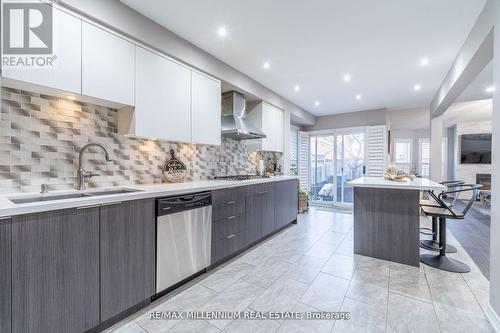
(335, 160)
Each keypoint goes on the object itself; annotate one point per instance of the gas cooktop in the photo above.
(240, 177)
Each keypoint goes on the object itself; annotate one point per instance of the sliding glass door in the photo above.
(335, 160)
(350, 163)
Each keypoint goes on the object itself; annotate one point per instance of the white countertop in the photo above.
(422, 184)
(8, 208)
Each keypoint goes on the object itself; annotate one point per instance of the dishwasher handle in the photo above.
(170, 205)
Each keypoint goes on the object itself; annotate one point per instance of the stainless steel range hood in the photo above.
(235, 125)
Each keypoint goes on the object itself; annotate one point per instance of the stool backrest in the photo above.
(457, 190)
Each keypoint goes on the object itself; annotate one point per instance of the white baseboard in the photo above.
(493, 318)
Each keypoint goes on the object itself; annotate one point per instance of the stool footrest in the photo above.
(427, 231)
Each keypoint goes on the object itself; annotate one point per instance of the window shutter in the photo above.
(303, 159)
(294, 151)
(376, 151)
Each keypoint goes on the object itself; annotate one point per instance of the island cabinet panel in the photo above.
(127, 241)
(286, 202)
(386, 224)
(260, 211)
(5, 274)
(55, 271)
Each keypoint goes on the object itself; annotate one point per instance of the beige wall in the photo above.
(352, 119)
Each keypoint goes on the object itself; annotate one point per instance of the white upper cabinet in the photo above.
(270, 120)
(65, 74)
(162, 99)
(205, 109)
(108, 65)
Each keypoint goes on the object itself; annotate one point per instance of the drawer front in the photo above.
(225, 196)
(260, 188)
(228, 226)
(227, 209)
(228, 245)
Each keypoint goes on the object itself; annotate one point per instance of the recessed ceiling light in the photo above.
(267, 65)
(296, 88)
(417, 87)
(358, 97)
(490, 89)
(316, 103)
(222, 31)
(347, 77)
(71, 97)
(424, 61)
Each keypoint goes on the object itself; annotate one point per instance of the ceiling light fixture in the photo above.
(417, 87)
(424, 61)
(296, 88)
(358, 97)
(490, 89)
(222, 31)
(71, 97)
(347, 77)
(316, 103)
(267, 65)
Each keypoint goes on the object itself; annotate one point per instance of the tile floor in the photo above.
(311, 267)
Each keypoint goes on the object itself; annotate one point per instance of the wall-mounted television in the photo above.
(475, 148)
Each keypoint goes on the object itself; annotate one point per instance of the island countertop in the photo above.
(421, 184)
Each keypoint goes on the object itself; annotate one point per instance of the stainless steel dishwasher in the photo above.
(183, 238)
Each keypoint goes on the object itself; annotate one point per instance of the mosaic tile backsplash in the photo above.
(40, 137)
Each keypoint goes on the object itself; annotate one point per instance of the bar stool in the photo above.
(442, 213)
(433, 244)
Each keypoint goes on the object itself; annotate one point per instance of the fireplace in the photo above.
(484, 179)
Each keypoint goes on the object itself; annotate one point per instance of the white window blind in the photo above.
(303, 159)
(402, 151)
(376, 150)
(294, 151)
(424, 156)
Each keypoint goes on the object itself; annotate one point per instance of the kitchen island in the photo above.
(387, 217)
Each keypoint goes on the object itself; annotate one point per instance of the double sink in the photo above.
(48, 197)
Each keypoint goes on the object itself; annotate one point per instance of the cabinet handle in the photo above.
(111, 203)
(231, 217)
(5, 218)
(166, 208)
(88, 207)
(230, 202)
(231, 236)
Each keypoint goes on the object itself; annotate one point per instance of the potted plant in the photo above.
(303, 202)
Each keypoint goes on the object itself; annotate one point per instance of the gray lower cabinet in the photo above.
(5, 274)
(260, 211)
(285, 193)
(229, 225)
(55, 271)
(127, 241)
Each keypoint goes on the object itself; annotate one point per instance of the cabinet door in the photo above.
(272, 126)
(286, 202)
(127, 237)
(5, 275)
(108, 65)
(65, 74)
(205, 109)
(163, 98)
(55, 271)
(260, 211)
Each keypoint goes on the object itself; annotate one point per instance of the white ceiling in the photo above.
(314, 43)
(477, 88)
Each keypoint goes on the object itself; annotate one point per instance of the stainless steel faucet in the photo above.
(81, 173)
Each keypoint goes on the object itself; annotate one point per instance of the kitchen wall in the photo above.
(467, 172)
(40, 137)
(351, 119)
